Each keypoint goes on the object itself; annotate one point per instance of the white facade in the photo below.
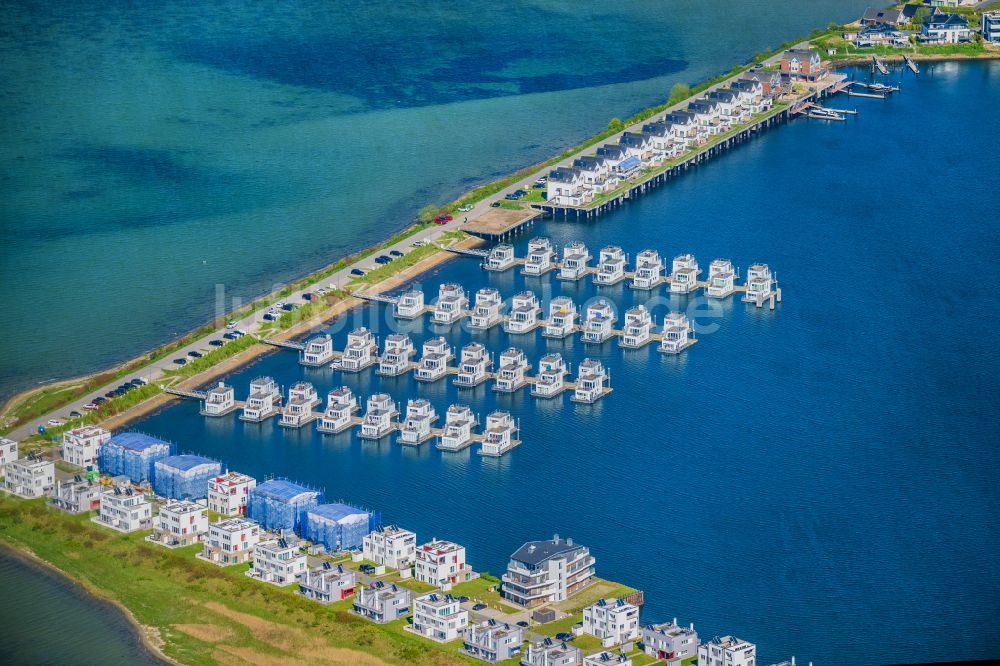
(721, 279)
(416, 426)
(551, 379)
(439, 617)
(410, 305)
(575, 258)
(328, 583)
(500, 435)
(488, 310)
(500, 258)
(611, 266)
(230, 541)
(544, 572)
(298, 411)
(599, 324)
(219, 400)
(30, 477)
(562, 318)
(591, 380)
(361, 351)
(676, 334)
(382, 603)
(391, 547)
(80, 445)
(441, 564)
(550, 652)
(396, 358)
(378, 419)
(228, 493)
(278, 562)
(457, 433)
(262, 401)
(318, 350)
(540, 258)
(493, 641)
(727, 651)
(638, 327)
(525, 313)
(511, 374)
(760, 284)
(452, 304)
(607, 659)
(8, 452)
(180, 523)
(648, 270)
(670, 641)
(124, 510)
(684, 277)
(434, 360)
(474, 366)
(612, 621)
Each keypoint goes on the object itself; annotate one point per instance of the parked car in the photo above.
(357, 271)
(478, 607)
(383, 259)
(230, 336)
(419, 243)
(195, 354)
(495, 204)
(396, 253)
(109, 394)
(231, 324)
(54, 422)
(367, 569)
(466, 208)
(180, 361)
(307, 296)
(219, 343)
(565, 636)
(522, 623)
(138, 381)
(100, 400)
(90, 406)
(270, 316)
(75, 414)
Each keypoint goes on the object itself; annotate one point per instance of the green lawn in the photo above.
(479, 589)
(599, 589)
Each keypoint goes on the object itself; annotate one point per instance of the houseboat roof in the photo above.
(136, 441)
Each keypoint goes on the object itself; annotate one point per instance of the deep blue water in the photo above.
(151, 151)
(819, 479)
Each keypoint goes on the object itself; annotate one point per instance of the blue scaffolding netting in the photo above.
(339, 526)
(185, 476)
(280, 504)
(132, 454)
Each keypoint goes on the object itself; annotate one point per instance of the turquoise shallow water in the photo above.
(151, 151)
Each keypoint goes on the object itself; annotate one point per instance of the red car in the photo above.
(443, 219)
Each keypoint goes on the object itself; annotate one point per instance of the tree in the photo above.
(616, 125)
(427, 214)
(679, 92)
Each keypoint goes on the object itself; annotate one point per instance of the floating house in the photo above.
(390, 546)
(230, 541)
(415, 428)
(541, 257)
(410, 305)
(474, 366)
(676, 336)
(575, 258)
(638, 330)
(340, 405)
(591, 382)
(442, 564)
(378, 420)
(361, 351)
(298, 411)
(648, 270)
(488, 310)
(434, 360)
(493, 641)
(599, 324)
(550, 652)
(279, 562)
(562, 318)
(721, 279)
(219, 400)
(525, 313)
(179, 523)
(339, 527)
(546, 572)
(500, 435)
(262, 402)
(512, 374)
(77, 496)
(382, 603)
(612, 621)
(551, 379)
(396, 358)
(760, 284)
(500, 258)
(670, 641)
(318, 351)
(610, 266)
(727, 651)
(328, 583)
(229, 493)
(439, 617)
(457, 432)
(81, 446)
(185, 476)
(684, 276)
(132, 454)
(452, 304)
(280, 504)
(30, 477)
(124, 509)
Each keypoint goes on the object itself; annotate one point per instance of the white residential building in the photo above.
(434, 360)
(488, 310)
(474, 366)
(382, 603)
(500, 258)
(562, 318)
(125, 510)
(550, 652)
(457, 432)
(544, 572)
(415, 429)
(540, 258)
(396, 358)
(298, 411)
(390, 546)
(79, 496)
(512, 370)
(613, 621)
(684, 276)
(566, 187)
(8, 452)
(611, 265)
(318, 351)
(727, 651)
(231, 541)
(575, 258)
(80, 445)
(500, 435)
(328, 583)
(219, 400)
(599, 324)
(262, 401)
(591, 380)
(452, 304)
(442, 564)
(180, 523)
(410, 305)
(493, 641)
(670, 641)
(648, 270)
(551, 379)
(379, 413)
(228, 493)
(439, 617)
(721, 279)
(30, 477)
(361, 351)
(278, 562)
(525, 313)
(638, 329)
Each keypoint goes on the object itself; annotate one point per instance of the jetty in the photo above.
(912, 65)
(500, 223)
(879, 65)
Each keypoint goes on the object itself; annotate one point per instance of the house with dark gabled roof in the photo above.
(565, 187)
(638, 145)
(881, 34)
(597, 173)
(802, 64)
(769, 79)
(731, 109)
(944, 28)
(684, 127)
(661, 138)
(752, 95)
(873, 16)
(707, 117)
(614, 153)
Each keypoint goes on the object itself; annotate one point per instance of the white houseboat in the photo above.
(600, 322)
(361, 351)
(410, 305)
(648, 270)
(591, 382)
(378, 420)
(551, 379)
(474, 366)
(575, 258)
(721, 279)
(500, 258)
(396, 358)
(263, 400)
(488, 310)
(500, 435)
(416, 427)
(298, 411)
(610, 266)
(676, 333)
(540, 259)
(457, 432)
(318, 351)
(219, 400)
(684, 276)
(452, 304)
(512, 372)
(638, 330)
(341, 403)
(433, 363)
(525, 313)
(760, 284)
(562, 318)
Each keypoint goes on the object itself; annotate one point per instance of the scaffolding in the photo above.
(184, 477)
(280, 504)
(339, 527)
(132, 454)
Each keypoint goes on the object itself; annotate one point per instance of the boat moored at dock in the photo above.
(551, 379)
(434, 360)
(562, 318)
(638, 330)
(487, 311)
(611, 266)
(457, 432)
(676, 335)
(318, 351)
(721, 279)
(297, 412)
(540, 259)
(599, 323)
(474, 366)
(263, 400)
(410, 305)
(219, 400)
(396, 358)
(512, 373)
(575, 258)
(341, 404)
(500, 435)
(500, 258)
(684, 274)
(591, 382)
(360, 353)
(648, 270)
(525, 313)
(452, 304)
(416, 426)
(378, 420)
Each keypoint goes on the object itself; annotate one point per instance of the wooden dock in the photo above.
(499, 223)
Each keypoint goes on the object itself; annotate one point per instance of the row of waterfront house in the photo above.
(284, 530)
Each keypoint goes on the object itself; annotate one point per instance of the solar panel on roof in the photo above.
(327, 565)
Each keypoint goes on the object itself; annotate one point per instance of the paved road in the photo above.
(251, 324)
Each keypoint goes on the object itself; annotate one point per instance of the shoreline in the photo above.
(916, 57)
(148, 636)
